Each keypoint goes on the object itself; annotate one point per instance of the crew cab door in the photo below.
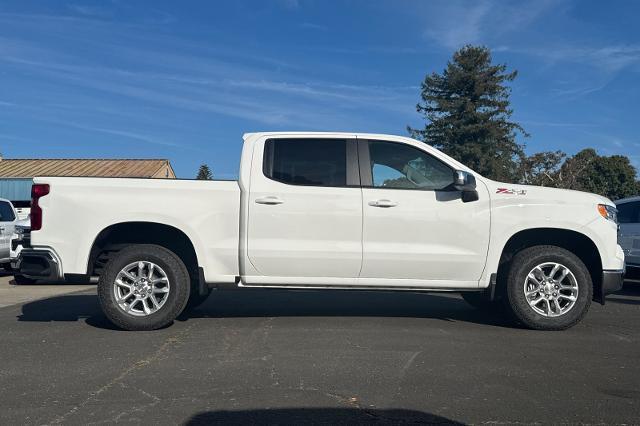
(304, 211)
(7, 224)
(415, 224)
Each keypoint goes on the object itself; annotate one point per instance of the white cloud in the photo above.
(607, 58)
(289, 4)
(194, 77)
(312, 26)
(556, 124)
(613, 58)
(90, 11)
(572, 91)
(455, 23)
(125, 134)
(345, 93)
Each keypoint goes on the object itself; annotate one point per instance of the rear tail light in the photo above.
(38, 191)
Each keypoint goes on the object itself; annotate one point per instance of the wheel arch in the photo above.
(119, 235)
(576, 242)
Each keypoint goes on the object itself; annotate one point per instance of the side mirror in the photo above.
(464, 181)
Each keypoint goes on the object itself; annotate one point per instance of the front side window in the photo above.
(317, 162)
(629, 212)
(6, 212)
(396, 165)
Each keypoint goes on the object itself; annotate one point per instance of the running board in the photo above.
(240, 285)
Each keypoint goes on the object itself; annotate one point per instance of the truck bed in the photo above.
(77, 210)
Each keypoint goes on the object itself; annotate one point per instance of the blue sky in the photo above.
(184, 80)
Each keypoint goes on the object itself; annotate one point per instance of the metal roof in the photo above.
(28, 168)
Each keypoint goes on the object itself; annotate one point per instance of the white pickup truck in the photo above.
(327, 211)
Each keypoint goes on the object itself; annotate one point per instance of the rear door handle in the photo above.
(383, 203)
(270, 200)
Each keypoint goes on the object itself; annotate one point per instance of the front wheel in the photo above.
(548, 288)
(143, 287)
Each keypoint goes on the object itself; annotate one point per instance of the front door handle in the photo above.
(270, 200)
(383, 203)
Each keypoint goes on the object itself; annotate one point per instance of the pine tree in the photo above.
(204, 173)
(468, 113)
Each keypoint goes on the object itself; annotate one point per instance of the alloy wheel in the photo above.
(141, 288)
(551, 289)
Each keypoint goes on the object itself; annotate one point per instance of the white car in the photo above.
(20, 238)
(7, 223)
(21, 233)
(629, 237)
(327, 211)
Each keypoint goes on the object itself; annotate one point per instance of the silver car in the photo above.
(7, 225)
(629, 236)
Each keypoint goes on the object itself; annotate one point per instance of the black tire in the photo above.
(480, 301)
(196, 299)
(176, 298)
(22, 280)
(516, 302)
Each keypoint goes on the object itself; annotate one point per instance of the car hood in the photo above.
(501, 190)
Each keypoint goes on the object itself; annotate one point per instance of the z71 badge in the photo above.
(511, 191)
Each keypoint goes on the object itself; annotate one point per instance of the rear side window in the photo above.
(316, 162)
(629, 212)
(6, 212)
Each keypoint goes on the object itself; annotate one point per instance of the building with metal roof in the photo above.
(16, 174)
(29, 168)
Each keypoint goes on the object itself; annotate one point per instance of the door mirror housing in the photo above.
(464, 181)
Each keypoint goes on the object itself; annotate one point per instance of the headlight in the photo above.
(608, 212)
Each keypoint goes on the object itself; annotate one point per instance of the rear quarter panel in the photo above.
(78, 209)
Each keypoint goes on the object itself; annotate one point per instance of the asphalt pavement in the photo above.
(324, 357)
(11, 293)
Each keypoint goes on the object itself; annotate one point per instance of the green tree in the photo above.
(542, 168)
(204, 173)
(614, 176)
(468, 113)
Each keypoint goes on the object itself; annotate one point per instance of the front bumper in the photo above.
(41, 264)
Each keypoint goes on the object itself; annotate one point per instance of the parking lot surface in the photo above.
(298, 357)
(11, 294)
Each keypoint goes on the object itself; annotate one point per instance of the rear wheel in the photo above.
(548, 288)
(143, 287)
